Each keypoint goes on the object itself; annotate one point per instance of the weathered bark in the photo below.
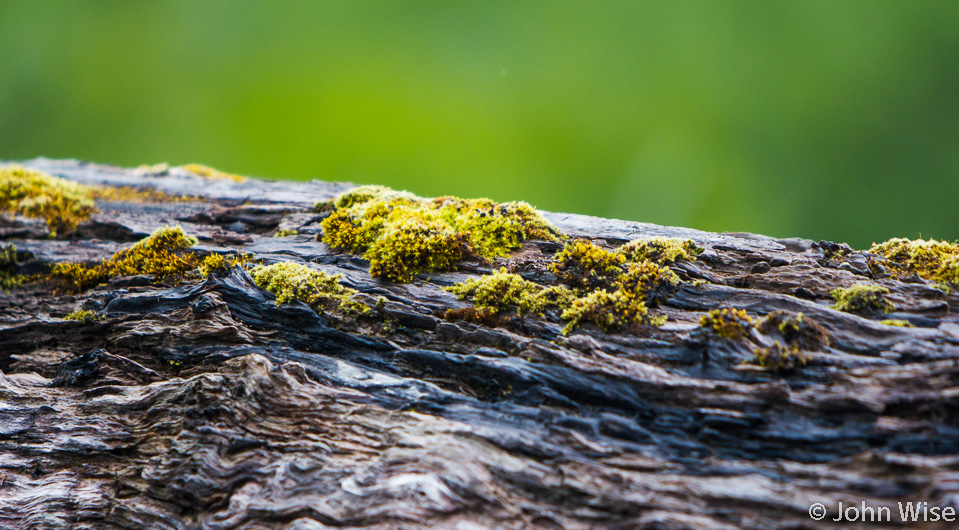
(206, 405)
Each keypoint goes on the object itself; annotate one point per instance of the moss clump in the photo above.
(862, 298)
(582, 264)
(36, 194)
(209, 172)
(897, 323)
(220, 263)
(796, 329)
(498, 292)
(662, 250)
(8, 263)
(402, 234)
(317, 289)
(285, 233)
(779, 358)
(160, 254)
(933, 260)
(611, 311)
(83, 315)
(732, 324)
(648, 281)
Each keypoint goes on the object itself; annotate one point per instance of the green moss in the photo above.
(161, 254)
(779, 358)
(796, 329)
(648, 281)
(732, 324)
(662, 250)
(8, 263)
(897, 323)
(933, 260)
(402, 234)
(83, 315)
(582, 264)
(862, 298)
(209, 172)
(36, 194)
(322, 292)
(221, 263)
(502, 291)
(285, 233)
(610, 311)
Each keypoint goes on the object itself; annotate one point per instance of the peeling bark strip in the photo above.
(204, 404)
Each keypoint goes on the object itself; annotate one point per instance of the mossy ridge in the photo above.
(132, 194)
(403, 234)
(160, 254)
(862, 298)
(933, 260)
(322, 292)
(897, 323)
(661, 250)
(727, 323)
(32, 193)
(499, 292)
(209, 172)
(83, 315)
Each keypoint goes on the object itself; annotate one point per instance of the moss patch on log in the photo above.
(862, 298)
(317, 289)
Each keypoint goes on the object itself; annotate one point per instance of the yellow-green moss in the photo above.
(897, 323)
(209, 172)
(402, 234)
(8, 263)
(611, 311)
(662, 250)
(862, 298)
(933, 260)
(584, 265)
(161, 254)
(317, 289)
(648, 281)
(285, 233)
(36, 194)
(214, 263)
(779, 358)
(796, 329)
(732, 324)
(131, 194)
(83, 315)
(501, 291)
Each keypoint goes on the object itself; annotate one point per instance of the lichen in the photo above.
(862, 298)
(897, 323)
(796, 329)
(322, 292)
(933, 260)
(83, 315)
(209, 172)
(502, 291)
(610, 311)
(36, 194)
(402, 234)
(662, 250)
(779, 358)
(161, 254)
(727, 323)
(8, 262)
(582, 264)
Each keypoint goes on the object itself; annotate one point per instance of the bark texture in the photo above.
(206, 405)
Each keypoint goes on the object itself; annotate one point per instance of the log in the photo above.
(202, 403)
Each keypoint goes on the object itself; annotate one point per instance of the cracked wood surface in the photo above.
(209, 406)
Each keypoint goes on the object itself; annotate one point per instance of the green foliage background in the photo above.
(823, 119)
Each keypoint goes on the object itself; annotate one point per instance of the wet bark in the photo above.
(206, 405)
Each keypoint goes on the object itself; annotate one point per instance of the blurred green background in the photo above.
(822, 119)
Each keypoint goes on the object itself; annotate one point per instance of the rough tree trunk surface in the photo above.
(213, 407)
